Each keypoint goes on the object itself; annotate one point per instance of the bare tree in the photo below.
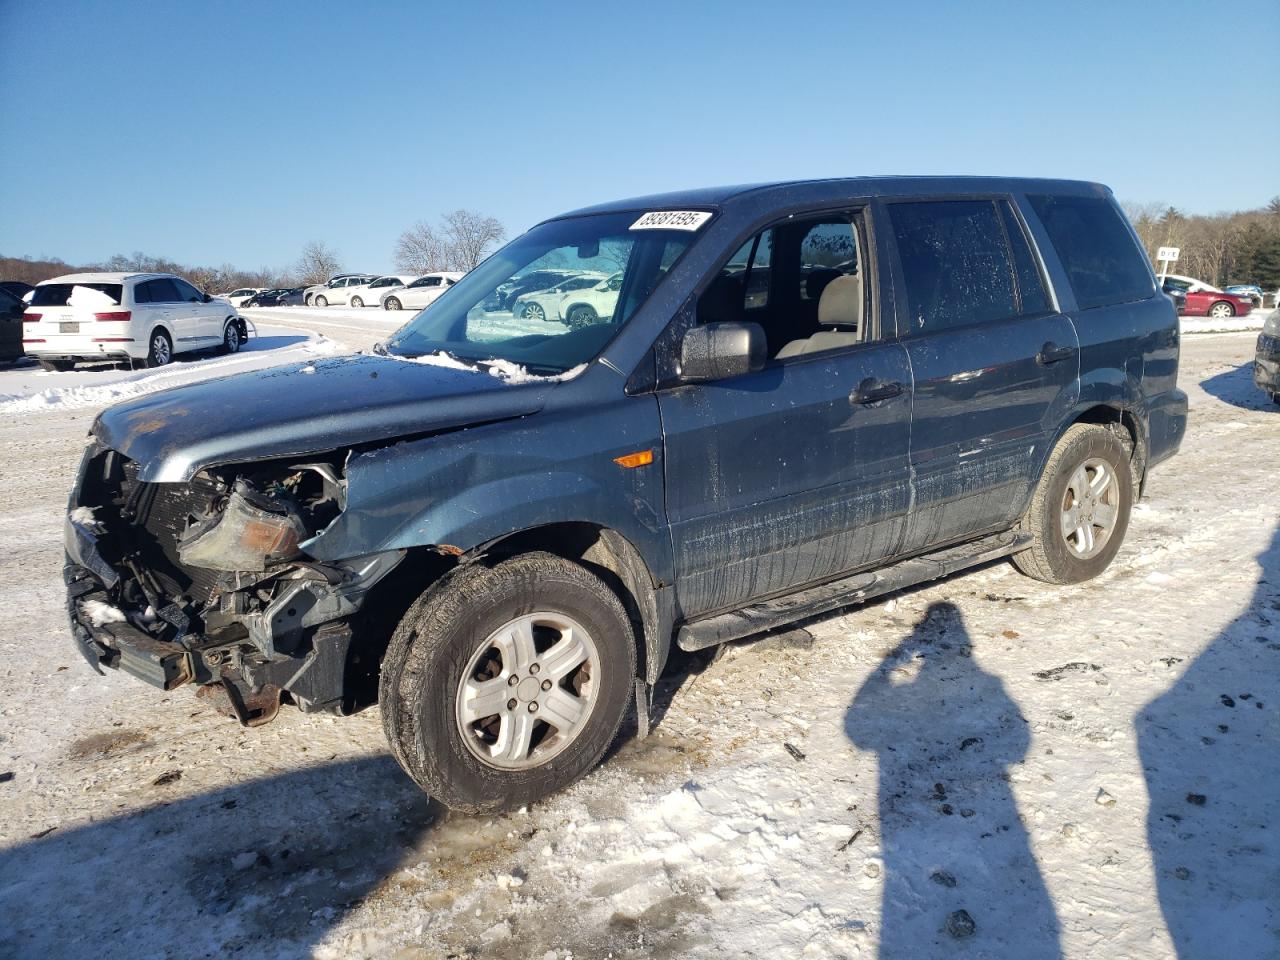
(420, 250)
(470, 237)
(317, 263)
(462, 239)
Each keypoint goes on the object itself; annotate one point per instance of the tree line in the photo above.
(459, 242)
(1220, 248)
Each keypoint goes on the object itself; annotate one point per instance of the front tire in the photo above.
(1080, 509)
(160, 350)
(503, 685)
(534, 311)
(232, 338)
(391, 303)
(321, 301)
(580, 317)
(1222, 310)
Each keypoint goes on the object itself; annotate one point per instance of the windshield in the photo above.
(486, 315)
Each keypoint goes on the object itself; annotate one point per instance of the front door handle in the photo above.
(872, 390)
(1052, 353)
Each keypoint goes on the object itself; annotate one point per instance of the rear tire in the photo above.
(1080, 509)
(357, 302)
(56, 366)
(160, 351)
(461, 634)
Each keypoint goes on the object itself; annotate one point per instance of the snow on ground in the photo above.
(27, 388)
(1250, 321)
(1084, 772)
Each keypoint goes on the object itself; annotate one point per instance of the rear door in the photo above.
(995, 365)
(164, 307)
(792, 474)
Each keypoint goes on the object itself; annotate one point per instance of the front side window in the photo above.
(779, 278)
(189, 293)
(475, 321)
(1103, 260)
(426, 282)
(162, 291)
(955, 263)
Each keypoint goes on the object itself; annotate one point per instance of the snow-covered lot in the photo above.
(983, 767)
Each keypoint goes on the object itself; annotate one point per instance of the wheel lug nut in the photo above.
(511, 704)
(534, 668)
(533, 707)
(546, 684)
(512, 680)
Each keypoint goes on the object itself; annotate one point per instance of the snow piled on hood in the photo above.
(504, 370)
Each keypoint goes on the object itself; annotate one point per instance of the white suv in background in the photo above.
(125, 316)
(370, 294)
(420, 292)
(335, 291)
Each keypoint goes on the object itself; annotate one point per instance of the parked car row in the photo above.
(391, 292)
(149, 317)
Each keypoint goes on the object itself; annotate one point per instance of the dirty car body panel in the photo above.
(349, 473)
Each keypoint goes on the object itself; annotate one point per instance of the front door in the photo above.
(800, 471)
(995, 365)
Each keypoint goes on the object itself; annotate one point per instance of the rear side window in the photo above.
(1098, 252)
(56, 294)
(955, 262)
(1032, 297)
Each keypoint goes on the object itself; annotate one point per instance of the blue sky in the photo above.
(237, 132)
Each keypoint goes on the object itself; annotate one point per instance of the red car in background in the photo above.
(1206, 302)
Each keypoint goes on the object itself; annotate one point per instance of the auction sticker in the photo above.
(672, 220)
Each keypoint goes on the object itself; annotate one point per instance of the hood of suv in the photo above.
(303, 409)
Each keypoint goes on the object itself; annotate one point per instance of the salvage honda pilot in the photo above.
(796, 397)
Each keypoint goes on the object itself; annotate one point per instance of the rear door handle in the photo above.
(1052, 353)
(872, 390)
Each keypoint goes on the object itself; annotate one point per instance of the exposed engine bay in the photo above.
(207, 581)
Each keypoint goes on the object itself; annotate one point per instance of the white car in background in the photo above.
(370, 294)
(238, 296)
(335, 291)
(545, 304)
(582, 308)
(125, 316)
(1191, 284)
(421, 292)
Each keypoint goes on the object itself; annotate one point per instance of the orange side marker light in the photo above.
(641, 458)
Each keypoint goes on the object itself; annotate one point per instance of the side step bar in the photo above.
(771, 614)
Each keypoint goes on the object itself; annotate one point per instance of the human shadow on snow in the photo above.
(266, 867)
(946, 733)
(1210, 750)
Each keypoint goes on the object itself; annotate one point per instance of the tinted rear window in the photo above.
(55, 294)
(1102, 260)
(955, 261)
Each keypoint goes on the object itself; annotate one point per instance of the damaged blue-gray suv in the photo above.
(679, 419)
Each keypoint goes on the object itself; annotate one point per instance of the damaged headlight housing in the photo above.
(251, 531)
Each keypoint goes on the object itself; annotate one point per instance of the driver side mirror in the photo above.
(207, 299)
(718, 351)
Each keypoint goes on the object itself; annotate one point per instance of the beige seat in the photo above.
(839, 313)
